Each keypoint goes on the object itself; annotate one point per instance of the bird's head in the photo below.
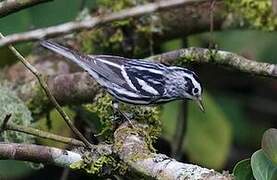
(190, 86)
(193, 88)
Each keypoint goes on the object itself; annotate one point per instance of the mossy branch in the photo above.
(226, 59)
(133, 149)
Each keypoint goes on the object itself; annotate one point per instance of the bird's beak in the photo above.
(200, 104)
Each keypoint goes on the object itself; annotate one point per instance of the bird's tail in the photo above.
(62, 50)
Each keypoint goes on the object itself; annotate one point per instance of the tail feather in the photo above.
(62, 50)
(81, 60)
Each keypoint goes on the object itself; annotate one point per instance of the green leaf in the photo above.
(262, 167)
(269, 144)
(243, 171)
(209, 134)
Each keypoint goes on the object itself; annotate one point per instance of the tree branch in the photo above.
(133, 150)
(91, 22)
(37, 153)
(217, 57)
(10, 6)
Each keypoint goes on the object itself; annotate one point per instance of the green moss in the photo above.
(102, 106)
(146, 124)
(104, 165)
(10, 103)
(146, 115)
(186, 58)
(257, 14)
(142, 114)
(92, 168)
(191, 55)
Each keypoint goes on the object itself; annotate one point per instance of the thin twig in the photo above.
(38, 153)
(212, 5)
(43, 134)
(5, 121)
(91, 22)
(180, 131)
(10, 6)
(44, 86)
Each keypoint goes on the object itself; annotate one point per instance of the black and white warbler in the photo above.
(136, 81)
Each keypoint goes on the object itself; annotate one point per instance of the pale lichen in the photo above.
(11, 104)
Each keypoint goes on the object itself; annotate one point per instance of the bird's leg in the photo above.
(116, 109)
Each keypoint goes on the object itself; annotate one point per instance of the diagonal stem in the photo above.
(5, 126)
(5, 121)
(180, 131)
(43, 134)
(44, 86)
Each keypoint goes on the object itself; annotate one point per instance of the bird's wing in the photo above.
(144, 77)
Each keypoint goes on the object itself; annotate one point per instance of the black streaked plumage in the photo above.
(135, 81)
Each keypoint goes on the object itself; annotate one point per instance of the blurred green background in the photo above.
(239, 107)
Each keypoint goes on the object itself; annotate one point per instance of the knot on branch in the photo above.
(132, 144)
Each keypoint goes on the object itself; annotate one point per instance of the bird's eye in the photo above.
(195, 90)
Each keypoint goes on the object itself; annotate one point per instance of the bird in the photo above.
(135, 81)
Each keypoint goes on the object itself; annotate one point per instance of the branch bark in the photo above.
(217, 57)
(37, 153)
(133, 150)
(91, 22)
(10, 6)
